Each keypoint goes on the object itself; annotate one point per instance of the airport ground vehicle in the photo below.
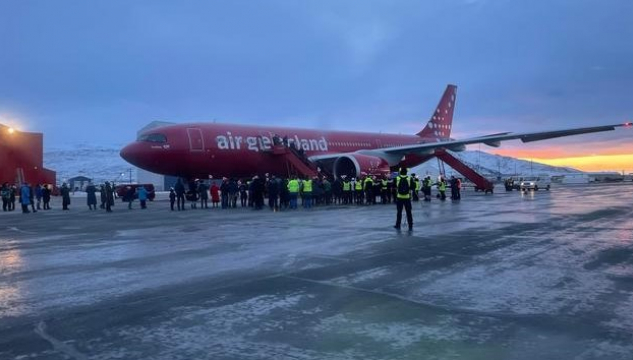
(535, 183)
(121, 189)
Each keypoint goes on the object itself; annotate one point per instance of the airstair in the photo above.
(481, 183)
(19, 176)
(296, 162)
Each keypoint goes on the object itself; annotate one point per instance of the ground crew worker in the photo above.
(369, 190)
(358, 191)
(307, 193)
(347, 191)
(426, 188)
(293, 189)
(416, 188)
(404, 184)
(442, 188)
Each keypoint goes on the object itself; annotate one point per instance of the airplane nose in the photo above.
(130, 153)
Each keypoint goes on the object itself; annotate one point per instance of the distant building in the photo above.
(22, 157)
(79, 182)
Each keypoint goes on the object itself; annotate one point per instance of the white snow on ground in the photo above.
(213, 330)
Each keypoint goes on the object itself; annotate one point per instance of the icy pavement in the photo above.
(545, 275)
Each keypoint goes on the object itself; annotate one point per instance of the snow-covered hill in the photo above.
(96, 162)
(491, 165)
(104, 164)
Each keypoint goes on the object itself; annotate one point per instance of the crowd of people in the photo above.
(276, 193)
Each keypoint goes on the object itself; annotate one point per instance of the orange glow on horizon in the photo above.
(591, 163)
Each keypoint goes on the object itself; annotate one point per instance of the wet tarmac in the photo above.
(545, 275)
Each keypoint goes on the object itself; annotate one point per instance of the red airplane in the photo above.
(199, 150)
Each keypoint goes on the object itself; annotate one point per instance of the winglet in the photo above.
(441, 122)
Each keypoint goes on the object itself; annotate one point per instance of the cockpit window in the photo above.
(155, 138)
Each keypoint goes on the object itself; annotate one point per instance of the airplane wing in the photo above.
(396, 152)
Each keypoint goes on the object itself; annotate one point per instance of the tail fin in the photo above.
(441, 123)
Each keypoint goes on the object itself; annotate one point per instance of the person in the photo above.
(458, 189)
(442, 189)
(172, 198)
(215, 195)
(46, 197)
(426, 188)
(91, 196)
(243, 192)
(258, 192)
(327, 191)
(25, 198)
(384, 190)
(12, 194)
(128, 197)
(293, 190)
(337, 190)
(5, 192)
(273, 194)
(347, 191)
(234, 191)
(142, 196)
(192, 195)
(368, 185)
(404, 186)
(415, 190)
(358, 193)
(203, 190)
(180, 194)
(284, 195)
(224, 192)
(38, 195)
(102, 196)
(109, 192)
(65, 191)
(307, 193)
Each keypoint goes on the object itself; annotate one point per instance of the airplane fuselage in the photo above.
(203, 149)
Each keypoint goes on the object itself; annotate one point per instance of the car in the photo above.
(122, 189)
(535, 183)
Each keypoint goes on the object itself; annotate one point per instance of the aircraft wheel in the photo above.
(547, 188)
(535, 188)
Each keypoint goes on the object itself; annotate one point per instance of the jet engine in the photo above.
(357, 164)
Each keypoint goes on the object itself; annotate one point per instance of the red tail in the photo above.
(441, 123)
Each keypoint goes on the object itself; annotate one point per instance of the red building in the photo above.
(22, 158)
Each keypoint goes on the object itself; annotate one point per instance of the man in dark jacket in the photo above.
(65, 191)
(180, 194)
(258, 192)
(273, 193)
(109, 197)
(91, 196)
(46, 197)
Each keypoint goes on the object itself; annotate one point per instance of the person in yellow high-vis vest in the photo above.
(404, 186)
(293, 190)
(307, 193)
(358, 191)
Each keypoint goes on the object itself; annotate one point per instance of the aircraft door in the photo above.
(196, 142)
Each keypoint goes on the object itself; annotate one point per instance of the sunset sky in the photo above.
(96, 72)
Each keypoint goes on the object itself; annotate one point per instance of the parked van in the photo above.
(535, 183)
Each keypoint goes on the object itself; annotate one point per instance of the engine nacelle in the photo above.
(357, 164)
